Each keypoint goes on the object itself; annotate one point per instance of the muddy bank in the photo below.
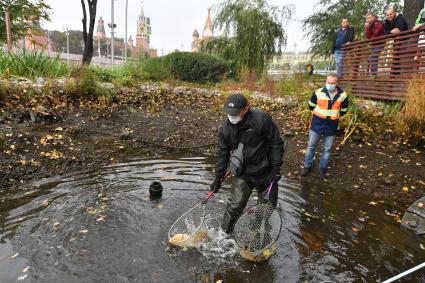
(54, 134)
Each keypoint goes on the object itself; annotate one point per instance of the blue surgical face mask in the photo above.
(234, 119)
(330, 87)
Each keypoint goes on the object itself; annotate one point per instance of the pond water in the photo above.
(100, 226)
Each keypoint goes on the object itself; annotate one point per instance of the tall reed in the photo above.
(413, 114)
(32, 65)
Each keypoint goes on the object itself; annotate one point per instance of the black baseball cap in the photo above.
(235, 103)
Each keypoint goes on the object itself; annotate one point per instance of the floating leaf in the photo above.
(405, 189)
(22, 277)
(54, 154)
(373, 203)
(14, 256)
(85, 231)
(101, 219)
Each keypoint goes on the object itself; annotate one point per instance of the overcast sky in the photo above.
(173, 21)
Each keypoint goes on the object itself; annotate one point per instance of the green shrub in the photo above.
(198, 67)
(156, 69)
(293, 85)
(106, 75)
(32, 65)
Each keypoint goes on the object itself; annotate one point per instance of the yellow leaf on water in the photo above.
(373, 203)
(405, 189)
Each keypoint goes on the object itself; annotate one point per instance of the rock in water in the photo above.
(414, 217)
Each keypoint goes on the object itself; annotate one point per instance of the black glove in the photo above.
(215, 186)
(274, 175)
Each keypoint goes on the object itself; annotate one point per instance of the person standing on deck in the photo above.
(394, 24)
(344, 35)
(374, 28)
(420, 21)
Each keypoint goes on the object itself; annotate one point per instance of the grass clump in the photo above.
(4, 91)
(32, 65)
(412, 115)
(291, 85)
(87, 87)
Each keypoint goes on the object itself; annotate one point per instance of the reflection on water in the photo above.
(101, 227)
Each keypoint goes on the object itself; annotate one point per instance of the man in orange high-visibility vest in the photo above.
(328, 104)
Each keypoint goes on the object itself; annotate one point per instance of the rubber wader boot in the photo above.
(228, 222)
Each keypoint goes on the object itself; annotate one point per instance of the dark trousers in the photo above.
(239, 197)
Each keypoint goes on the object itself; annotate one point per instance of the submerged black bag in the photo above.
(236, 161)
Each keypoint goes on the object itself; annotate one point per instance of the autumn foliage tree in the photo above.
(23, 13)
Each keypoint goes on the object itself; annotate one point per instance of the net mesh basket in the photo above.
(257, 230)
(190, 229)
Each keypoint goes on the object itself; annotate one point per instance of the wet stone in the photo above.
(413, 224)
(389, 181)
(289, 133)
(357, 138)
(126, 135)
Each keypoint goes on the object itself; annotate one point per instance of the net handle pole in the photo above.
(269, 189)
(407, 272)
(211, 194)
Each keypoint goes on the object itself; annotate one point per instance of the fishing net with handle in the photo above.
(257, 230)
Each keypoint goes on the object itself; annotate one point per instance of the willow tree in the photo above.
(321, 26)
(255, 29)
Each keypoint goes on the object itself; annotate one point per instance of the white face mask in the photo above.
(234, 119)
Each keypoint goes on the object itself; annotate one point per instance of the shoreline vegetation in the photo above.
(56, 119)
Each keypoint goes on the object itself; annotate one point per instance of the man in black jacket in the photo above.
(394, 24)
(250, 140)
(344, 35)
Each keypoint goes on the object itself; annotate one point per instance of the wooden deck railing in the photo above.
(379, 68)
